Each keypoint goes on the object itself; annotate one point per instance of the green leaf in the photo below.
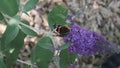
(41, 56)
(66, 58)
(1, 16)
(26, 66)
(59, 10)
(2, 65)
(2, 19)
(18, 18)
(10, 32)
(30, 5)
(61, 16)
(28, 30)
(65, 46)
(57, 16)
(45, 42)
(9, 7)
(0, 44)
(13, 49)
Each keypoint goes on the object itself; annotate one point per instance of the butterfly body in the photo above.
(62, 30)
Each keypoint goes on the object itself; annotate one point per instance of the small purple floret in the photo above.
(87, 42)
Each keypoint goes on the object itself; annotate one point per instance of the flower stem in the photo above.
(56, 61)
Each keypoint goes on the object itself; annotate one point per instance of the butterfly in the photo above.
(62, 30)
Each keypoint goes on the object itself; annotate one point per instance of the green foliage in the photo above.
(45, 42)
(66, 58)
(26, 66)
(1, 16)
(30, 5)
(40, 55)
(13, 49)
(9, 7)
(13, 38)
(0, 44)
(2, 19)
(57, 16)
(10, 33)
(2, 65)
(65, 46)
(28, 30)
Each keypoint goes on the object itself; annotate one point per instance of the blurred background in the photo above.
(101, 16)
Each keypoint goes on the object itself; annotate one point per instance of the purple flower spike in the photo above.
(86, 42)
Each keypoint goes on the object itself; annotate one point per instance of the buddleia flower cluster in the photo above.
(87, 42)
